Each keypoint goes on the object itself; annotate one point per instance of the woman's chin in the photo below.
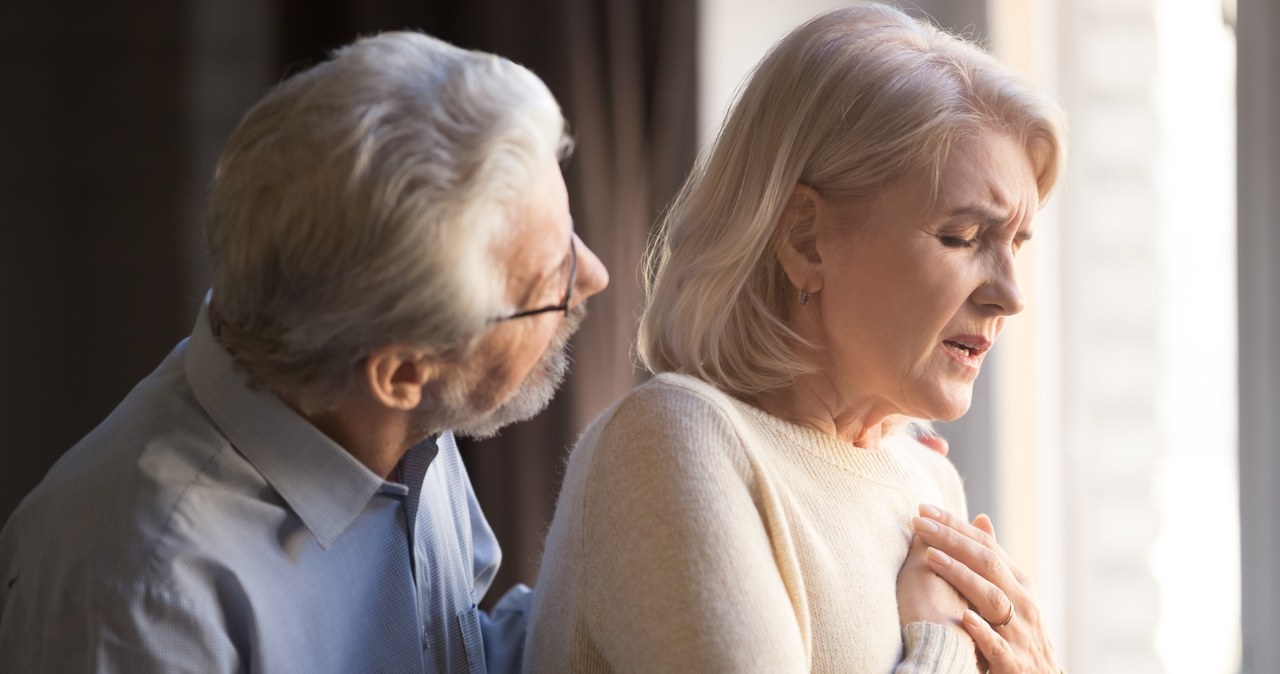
(943, 405)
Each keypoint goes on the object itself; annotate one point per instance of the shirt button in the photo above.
(426, 639)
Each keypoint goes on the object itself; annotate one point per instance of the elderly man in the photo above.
(393, 257)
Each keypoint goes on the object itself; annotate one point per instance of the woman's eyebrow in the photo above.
(989, 218)
(982, 214)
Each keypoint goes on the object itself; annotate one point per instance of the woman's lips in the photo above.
(967, 349)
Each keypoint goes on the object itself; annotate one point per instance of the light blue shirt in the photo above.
(206, 527)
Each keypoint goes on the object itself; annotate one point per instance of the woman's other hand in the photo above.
(925, 597)
(1004, 620)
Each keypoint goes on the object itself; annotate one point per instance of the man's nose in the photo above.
(592, 275)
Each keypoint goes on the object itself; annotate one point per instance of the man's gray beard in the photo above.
(467, 412)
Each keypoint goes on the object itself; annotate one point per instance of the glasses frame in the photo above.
(568, 291)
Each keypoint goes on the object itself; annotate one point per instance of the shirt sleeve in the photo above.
(679, 568)
(504, 630)
(130, 628)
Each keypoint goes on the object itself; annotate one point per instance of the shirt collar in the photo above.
(326, 486)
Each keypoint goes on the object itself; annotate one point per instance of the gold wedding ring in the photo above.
(1007, 619)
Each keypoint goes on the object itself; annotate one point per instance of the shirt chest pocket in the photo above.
(472, 639)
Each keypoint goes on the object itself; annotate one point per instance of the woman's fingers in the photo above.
(984, 523)
(998, 653)
(1004, 620)
(993, 603)
(936, 443)
(968, 543)
(970, 531)
(968, 557)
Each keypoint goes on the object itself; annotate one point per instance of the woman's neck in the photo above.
(814, 402)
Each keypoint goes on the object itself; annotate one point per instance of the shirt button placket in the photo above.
(424, 596)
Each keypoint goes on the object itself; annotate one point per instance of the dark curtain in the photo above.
(113, 116)
(91, 245)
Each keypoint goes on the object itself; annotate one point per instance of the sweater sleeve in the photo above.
(932, 648)
(680, 568)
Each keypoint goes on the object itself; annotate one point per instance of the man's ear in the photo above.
(395, 375)
(796, 238)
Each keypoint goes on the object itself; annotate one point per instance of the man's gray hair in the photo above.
(358, 203)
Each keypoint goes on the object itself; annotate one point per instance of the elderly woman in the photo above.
(839, 262)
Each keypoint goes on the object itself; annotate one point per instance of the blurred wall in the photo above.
(1259, 250)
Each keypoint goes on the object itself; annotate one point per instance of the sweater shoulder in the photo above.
(674, 405)
(672, 424)
(672, 390)
(938, 469)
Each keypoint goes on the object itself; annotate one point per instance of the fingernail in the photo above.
(930, 511)
(937, 556)
(923, 525)
(972, 617)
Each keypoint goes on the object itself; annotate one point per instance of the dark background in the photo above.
(111, 118)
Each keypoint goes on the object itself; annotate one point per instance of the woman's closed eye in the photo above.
(958, 241)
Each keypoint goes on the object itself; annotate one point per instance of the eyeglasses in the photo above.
(568, 291)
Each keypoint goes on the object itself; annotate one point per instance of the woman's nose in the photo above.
(1001, 291)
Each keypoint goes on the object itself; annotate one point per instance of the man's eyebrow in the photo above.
(563, 262)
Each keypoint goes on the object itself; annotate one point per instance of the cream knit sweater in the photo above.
(696, 533)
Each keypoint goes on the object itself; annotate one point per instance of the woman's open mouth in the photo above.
(967, 349)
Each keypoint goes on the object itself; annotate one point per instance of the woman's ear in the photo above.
(796, 238)
(395, 375)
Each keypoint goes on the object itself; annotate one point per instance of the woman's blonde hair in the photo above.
(847, 103)
(358, 203)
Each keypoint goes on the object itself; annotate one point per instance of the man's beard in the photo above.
(471, 412)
